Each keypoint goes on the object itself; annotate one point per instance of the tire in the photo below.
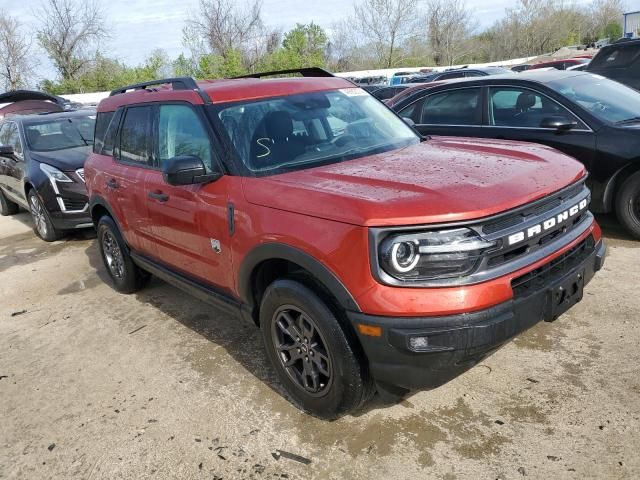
(628, 204)
(126, 276)
(7, 207)
(299, 329)
(42, 224)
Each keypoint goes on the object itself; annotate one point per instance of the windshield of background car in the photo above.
(606, 99)
(310, 129)
(60, 134)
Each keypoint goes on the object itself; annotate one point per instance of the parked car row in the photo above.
(372, 258)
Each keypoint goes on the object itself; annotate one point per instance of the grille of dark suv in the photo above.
(74, 204)
(536, 279)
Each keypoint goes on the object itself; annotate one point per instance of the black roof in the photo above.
(21, 95)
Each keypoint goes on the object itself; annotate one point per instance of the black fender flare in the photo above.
(97, 200)
(281, 251)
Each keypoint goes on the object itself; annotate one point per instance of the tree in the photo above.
(449, 27)
(16, 65)
(226, 27)
(69, 30)
(304, 46)
(385, 25)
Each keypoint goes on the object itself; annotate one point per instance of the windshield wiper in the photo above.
(628, 120)
(86, 142)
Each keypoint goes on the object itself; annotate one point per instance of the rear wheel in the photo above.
(7, 207)
(313, 358)
(127, 277)
(628, 204)
(42, 224)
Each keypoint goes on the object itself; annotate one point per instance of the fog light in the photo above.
(419, 343)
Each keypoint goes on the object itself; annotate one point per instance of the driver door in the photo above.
(12, 166)
(189, 222)
(516, 113)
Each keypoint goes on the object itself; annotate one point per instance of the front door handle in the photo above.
(161, 197)
(112, 183)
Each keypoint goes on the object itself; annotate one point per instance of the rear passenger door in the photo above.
(125, 180)
(456, 111)
(190, 228)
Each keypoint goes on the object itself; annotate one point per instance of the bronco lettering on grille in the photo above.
(548, 224)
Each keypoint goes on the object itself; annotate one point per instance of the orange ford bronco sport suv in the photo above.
(371, 258)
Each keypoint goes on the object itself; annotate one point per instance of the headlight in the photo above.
(55, 176)
(431, 255)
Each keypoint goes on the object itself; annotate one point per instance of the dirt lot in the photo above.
(158, 385)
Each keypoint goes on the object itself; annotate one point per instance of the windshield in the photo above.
(310, 129)
(607, 100)
(60, 133)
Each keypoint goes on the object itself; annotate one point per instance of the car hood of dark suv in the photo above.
(445, 179)
(67, 160)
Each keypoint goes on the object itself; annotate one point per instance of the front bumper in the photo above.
(68, 207)
(452, 344)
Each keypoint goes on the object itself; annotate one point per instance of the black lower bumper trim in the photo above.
(424, 353)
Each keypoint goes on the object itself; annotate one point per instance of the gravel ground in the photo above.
(98, 385)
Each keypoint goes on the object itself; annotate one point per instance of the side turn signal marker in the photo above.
(369, 330)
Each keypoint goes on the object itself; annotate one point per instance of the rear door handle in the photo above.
(113, 183)
(161, 197)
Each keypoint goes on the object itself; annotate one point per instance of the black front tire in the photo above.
(628, 204)
(348, 386)
(127, 277)
(7, 207)
(42, 224)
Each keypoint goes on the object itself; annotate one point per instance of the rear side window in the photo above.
(103, 119)
(615, 57)
(135, 135)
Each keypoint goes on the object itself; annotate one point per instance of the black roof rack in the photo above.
(305, 72)
(178, 83)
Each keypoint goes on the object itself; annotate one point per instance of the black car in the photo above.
(386, 92)
(591, 118)
(460, 73)
(41, 169)
(619, 61)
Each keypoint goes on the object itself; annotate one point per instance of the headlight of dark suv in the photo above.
(432, 255)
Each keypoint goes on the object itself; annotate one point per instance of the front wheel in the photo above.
(315, 361)
(628, 204)
(42, 224)
(127, 277)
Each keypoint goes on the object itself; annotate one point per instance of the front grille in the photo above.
(74, 205)
(554, 270)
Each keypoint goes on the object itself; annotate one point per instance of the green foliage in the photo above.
(612, 31)
(304, 46)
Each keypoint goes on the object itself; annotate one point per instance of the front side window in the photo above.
(135, 135)
(10, 136)
(518, 107)
(605, 99)
(103, 119)
(305, 130)
(181, 133)
(453, 107)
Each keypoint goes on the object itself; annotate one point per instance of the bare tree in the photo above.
(226, 27)
(449, 27)
(15, 60)
(386, 25)
(69, 30)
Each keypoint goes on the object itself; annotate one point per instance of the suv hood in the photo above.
(66, 160)
(446, 179)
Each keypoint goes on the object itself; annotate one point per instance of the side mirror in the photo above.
(6, 150)
(187, 170)
(558, 122)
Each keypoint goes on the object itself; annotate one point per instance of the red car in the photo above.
(561, 64)
(371, 258)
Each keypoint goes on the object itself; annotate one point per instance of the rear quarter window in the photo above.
(615, 57)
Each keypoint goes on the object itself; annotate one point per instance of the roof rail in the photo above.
(178, 83)
(305, 72)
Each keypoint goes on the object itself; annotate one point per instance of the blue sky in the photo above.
(140, 26)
